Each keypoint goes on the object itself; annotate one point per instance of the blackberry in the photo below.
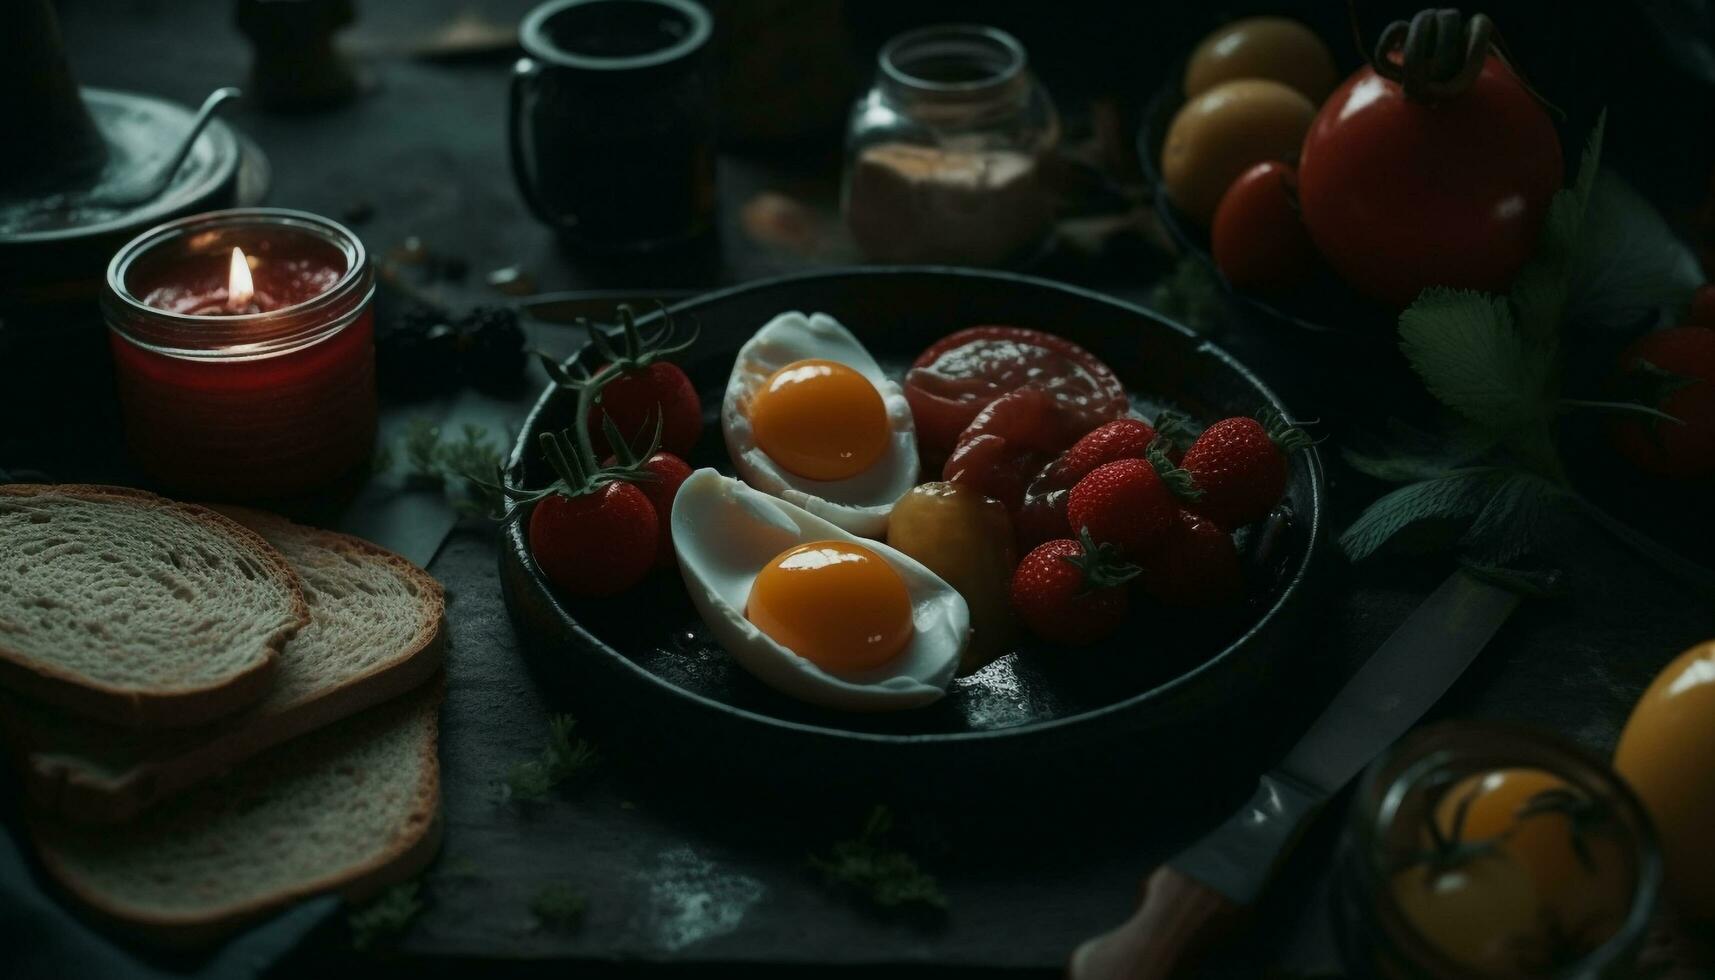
(417, 354)
(493, 346)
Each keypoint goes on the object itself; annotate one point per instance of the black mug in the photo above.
(612, 122)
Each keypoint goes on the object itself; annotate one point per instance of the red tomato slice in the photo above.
(963, 372)
(1007, 443)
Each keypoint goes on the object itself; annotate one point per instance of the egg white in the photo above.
(859, 504)
(726, 532)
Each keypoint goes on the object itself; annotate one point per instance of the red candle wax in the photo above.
(266, 397)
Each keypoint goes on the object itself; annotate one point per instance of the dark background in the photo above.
(706, 883)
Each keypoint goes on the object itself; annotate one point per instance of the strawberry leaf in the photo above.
(1540, 291)
(1473, 359)
(1451, 500)
(1512, 523)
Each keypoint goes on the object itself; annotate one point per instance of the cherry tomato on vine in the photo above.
(1577, 859)
(1429, 168)
(1258, 238)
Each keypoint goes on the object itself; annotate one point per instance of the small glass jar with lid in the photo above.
(1484, 850)
(946, 153)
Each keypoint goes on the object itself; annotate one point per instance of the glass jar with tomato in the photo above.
(1483, 850)
(946, 152)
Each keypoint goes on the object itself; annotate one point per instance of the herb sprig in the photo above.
(1493, 484)
(386, 918)
(434, 460)
(887, 876)
(562, 758)
(558, 907)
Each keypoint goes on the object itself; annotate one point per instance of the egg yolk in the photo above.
(836, 604)
(820, 420)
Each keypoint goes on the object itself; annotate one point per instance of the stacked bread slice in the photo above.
(214, 713)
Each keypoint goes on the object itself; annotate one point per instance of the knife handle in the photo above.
(1177, 920)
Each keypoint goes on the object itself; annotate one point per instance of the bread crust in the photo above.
(407, 855)
(60, 786)
(164, 708)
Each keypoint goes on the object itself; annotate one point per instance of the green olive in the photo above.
(1275, 48)
(1226, 131)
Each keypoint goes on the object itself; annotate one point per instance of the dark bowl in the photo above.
(644, 663)
(1325, 306)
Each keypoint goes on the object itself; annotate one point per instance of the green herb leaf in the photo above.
(888, 877)
(422, 445)
(558, 907)
(562, 758)
(1511, 524)
(1467, 350)
(1450, 501)
(1539, 293)
(1629, 263)
(386, 918)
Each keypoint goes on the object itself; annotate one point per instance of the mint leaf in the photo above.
(1473, 359)
(1449, 500)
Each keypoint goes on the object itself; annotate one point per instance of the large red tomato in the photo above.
(1401, 194)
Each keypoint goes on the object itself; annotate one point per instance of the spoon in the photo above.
(149, 188)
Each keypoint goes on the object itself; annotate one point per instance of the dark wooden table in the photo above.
(709, 883)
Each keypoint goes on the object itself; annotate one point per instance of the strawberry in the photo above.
(668, 472)
(1129, 503)
(1042, 516)
(1071, 592)
(1672, 371)
(1239, 464)
(637, 385)
(1119, 439)
(1197, 566)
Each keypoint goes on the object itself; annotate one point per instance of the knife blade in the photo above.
(596, 305)
(1202, 892)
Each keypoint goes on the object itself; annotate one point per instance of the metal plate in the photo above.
(645, 657)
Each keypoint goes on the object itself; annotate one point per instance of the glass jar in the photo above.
(1483, 850)
(945, 154)
(273, 401)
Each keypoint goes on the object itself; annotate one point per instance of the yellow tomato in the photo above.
(1224, 132)
(1667, 754)
(1479, 914)
(1583, 874)
(1275, 48)
(967, 539)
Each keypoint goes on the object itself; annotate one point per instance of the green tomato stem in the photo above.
(1628, 407)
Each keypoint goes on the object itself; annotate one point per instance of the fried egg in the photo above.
(812, 610)
(810, 418)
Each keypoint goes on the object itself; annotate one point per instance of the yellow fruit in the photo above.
(1667, 754)
(1224, 132)
(967, 539)
(1589, 898)
(1275, 48)
(1478, 914)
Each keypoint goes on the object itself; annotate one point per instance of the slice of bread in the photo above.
(375, 632)
(352, 808)
(136, 610)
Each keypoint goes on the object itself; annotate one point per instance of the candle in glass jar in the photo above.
(243, 348)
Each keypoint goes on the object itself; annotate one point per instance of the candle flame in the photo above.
(240, 289)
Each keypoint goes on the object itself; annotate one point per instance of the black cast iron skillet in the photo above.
(644, 663)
